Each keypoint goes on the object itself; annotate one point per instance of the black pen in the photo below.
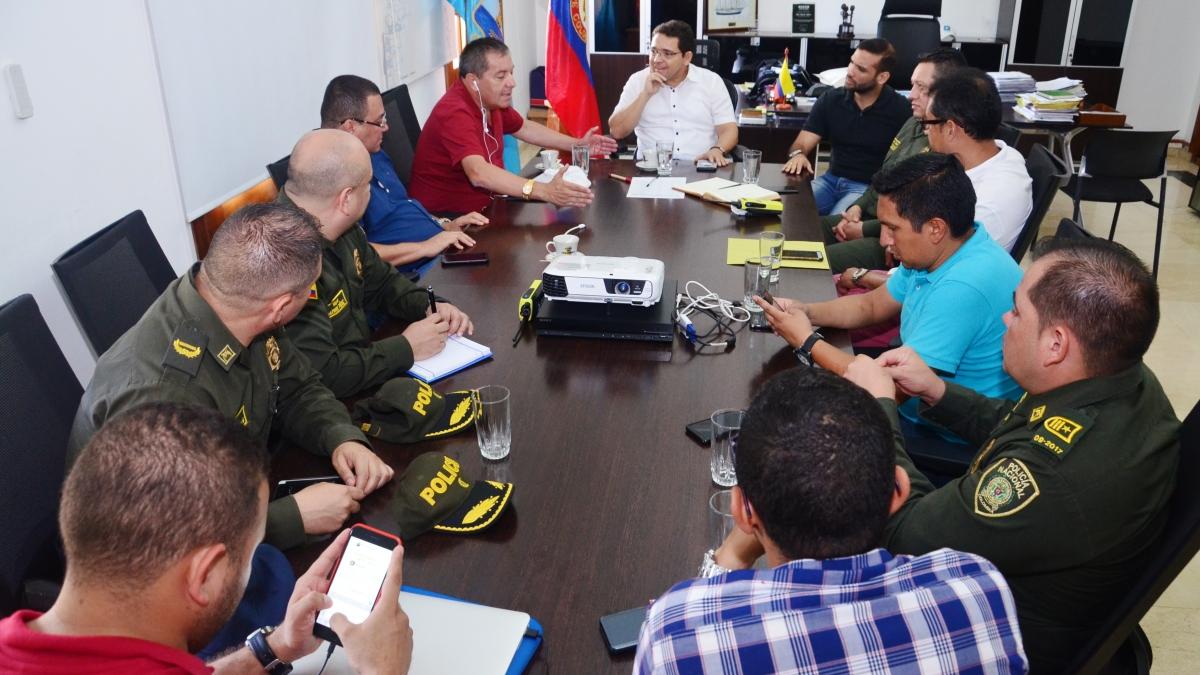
(432, 306)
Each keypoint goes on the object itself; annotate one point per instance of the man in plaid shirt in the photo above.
(817, 480)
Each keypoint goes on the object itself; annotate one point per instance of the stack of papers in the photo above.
(724, 191)
(1012, 82)
(458, 354)
(1063, 84)
(1053, 105)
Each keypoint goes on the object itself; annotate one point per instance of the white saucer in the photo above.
(647, 166)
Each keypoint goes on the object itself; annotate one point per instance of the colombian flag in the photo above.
(568, 76)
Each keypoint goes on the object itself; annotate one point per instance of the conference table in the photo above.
(610, 502)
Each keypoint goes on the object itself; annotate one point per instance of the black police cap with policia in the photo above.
(405, 410)
(432, 494)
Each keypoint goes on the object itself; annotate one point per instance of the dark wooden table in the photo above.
(610, 500)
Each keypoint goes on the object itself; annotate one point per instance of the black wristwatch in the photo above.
(257, 642)
(804, 352)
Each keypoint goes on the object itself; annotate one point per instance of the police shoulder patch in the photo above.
(1005, 488)
(1057, 430)
(185, 348)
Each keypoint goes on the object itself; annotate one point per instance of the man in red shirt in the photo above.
(154, 520)
(459, 163)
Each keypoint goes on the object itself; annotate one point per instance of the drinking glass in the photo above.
(757, 282)
(726, 424)
(581, 155)
(493, 421)
(770, 245)
(665, 153)
(720, 517)
(751, 161)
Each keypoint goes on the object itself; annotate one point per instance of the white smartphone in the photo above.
(357, 578)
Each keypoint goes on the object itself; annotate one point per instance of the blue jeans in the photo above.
(834, 195)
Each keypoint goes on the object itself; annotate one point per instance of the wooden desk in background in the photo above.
(610, 500)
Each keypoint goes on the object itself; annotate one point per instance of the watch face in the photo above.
(803, 357)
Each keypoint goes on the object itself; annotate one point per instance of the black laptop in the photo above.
(610, 321)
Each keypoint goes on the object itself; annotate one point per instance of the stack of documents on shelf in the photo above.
(1012, 82)
(1054, 105)
(1063, 84)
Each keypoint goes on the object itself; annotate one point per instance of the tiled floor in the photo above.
(1173, 625)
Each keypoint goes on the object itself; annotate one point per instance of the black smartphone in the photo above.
(621, 629)
(700, 431)
(464, 259)
(291, 486)
(705, 166)
(357, 578)
(810, 256)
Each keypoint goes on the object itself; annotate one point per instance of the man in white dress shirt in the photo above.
(674, 101)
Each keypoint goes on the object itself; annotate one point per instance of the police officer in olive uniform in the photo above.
(1070, 486)
(214, 339)
(329, 176)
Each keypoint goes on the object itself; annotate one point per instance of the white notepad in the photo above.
(458, 354)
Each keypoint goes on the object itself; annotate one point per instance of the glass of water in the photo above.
(581, 156)
(757, 282)
(720, 517)
(726, 425)
(493, 421)
(770, 245)
(751, 161)
(665, 154)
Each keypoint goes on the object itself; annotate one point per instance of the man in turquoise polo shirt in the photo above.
(951, 291)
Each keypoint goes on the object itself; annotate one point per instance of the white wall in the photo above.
(96, 148)
(1162, 66)
(967, 18)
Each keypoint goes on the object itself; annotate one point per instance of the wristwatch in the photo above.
(257, 643)
(804, 352)
(527, 189)
(718, 149)
(797, 151)
(443, 222)
(858, 275)
(709, 566)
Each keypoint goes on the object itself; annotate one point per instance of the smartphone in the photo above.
(357, 578)
(285, 488)
(621, 629)
(700, 431)
(811, 256)
(705, 166)
(464, 259)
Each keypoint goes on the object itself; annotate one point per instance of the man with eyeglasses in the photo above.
(400, 229)
(675, 101)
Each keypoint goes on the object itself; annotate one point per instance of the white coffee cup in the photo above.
(549, 159)
(563, 244)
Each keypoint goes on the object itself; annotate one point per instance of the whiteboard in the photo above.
(418, 37)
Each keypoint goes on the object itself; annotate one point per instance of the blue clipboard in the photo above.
(525, 651)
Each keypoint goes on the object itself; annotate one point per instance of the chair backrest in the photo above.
(39, 394)
(1009, 134)
(707, 54)
(278, 170)
(112, 277)
(1047, 172)
(913, 28)
(400, 140)
(1124, 153)
(1179, 541)
(1071, 230)
(731, 90)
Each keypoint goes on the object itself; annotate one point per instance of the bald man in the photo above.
(329, 176)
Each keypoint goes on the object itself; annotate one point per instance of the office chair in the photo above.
(112, 277)
(1048, 173)
(1009, 134)
(1069, 229)
(913, 28)
(1120, 636)
(39, 394)
(1115, 162)
(400, 140)
(278, 170)
(707, 55)
(732, 91)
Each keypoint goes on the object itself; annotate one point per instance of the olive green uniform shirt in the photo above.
(1067, 493)
(179, 351)
(332, 329)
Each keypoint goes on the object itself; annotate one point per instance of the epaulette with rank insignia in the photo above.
(186, 348)
(1057, 430)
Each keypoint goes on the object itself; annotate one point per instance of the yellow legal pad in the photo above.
(741, 249)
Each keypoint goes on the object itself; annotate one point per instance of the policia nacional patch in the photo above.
(1005, 488)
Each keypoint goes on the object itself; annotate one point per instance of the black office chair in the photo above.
(1009, 134)
(1069, 229)
(112, 277)
(278, 170)
(1048, 173)
(1115, 162)
(1120, 638)
(400, 140)
(707, 54)
(39, 394)
(732, 91)
(913, 28)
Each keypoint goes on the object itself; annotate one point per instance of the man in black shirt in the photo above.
(861, 119)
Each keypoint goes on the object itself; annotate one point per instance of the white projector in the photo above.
(589, 278)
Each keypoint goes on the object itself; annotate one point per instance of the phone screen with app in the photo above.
(359, 576)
